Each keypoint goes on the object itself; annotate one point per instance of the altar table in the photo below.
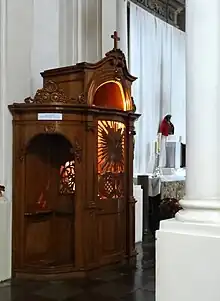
(171, 184)
(167, 186)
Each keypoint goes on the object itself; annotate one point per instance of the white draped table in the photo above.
(169, 186)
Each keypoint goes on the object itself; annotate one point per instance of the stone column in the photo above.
(5, 149)
(79, 31)
(202, 201)
(45, 39)
(2, 83)
(122, 25)
(188, 247)
(109, 24)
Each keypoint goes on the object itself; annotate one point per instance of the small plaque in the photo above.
(49, 116)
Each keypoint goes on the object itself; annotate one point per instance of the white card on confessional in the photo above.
(49, 116)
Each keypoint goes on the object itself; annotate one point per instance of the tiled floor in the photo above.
(128, 283)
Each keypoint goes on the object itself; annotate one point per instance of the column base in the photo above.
(201, 211)
(187, 261)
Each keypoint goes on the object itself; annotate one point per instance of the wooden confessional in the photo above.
(73, 143)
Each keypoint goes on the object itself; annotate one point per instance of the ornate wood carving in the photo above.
(117, 61)
(132, 133)
(78, 151)
(50, 93)
(81, 99)
(50, 128)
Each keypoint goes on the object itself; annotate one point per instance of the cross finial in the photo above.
(116, 38)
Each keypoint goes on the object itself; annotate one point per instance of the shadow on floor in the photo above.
(130, 283)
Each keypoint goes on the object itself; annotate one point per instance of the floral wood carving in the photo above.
(50, 93)
(81, 99)
(117, 59)
(78, 151)
(2, 189)
(50, 128)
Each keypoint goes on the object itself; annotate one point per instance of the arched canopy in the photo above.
(110, 95)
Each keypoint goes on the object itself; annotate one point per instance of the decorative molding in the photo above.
(52, 93)
(167, 10)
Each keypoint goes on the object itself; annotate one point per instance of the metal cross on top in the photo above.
(116, 38)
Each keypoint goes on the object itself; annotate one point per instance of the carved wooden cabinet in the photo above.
(73, 205)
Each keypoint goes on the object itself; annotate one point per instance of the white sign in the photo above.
(49, 116)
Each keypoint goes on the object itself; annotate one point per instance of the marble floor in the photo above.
(130, 283)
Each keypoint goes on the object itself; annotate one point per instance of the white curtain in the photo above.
(157, 58)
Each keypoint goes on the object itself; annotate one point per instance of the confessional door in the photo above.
(49, 202)
(111, 213)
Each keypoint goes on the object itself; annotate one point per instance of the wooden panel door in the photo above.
(110, 195)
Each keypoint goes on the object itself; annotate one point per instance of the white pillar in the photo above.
(109, 24)
(122, 25)
(202, 201)
(5, 146)
(3, 76)
(45, 39)
(80, 31)
(188, 247)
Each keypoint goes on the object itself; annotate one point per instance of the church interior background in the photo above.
(36, 46)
